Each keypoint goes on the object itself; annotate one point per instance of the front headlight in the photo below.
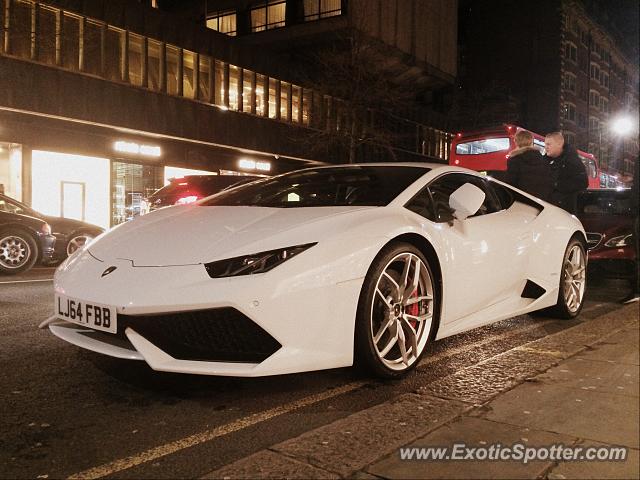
(256, 263)
(620, 241)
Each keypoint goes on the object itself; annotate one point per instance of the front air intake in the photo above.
(214, 335)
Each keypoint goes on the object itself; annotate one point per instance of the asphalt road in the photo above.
(69, 412)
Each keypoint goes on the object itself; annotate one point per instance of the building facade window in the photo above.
(594, 124)
(223, 22)
(92, 40)
(570, 112)
(582, 120)
(172, 63)
(136, 59)
(114, 53)
(154, 65)
(570, 82)
(204, 78)
(269, 14)
(594, 98)
(48, 35)
(317, 9)
(584, 37)
(70, 38)
(571, 52)
(189, 72)
(604, 79)
(595, 72)
(604, 105)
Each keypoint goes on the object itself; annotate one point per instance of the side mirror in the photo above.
(466, 201)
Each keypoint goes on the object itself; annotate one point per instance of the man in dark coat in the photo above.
(527, 169)
(568, 174)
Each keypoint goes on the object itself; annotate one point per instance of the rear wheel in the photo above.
(573, 281)
(395, 312)
(18, 251)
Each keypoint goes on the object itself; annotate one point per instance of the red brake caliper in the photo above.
(413, 310)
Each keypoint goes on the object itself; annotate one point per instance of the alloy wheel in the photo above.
(14, 252)
(574, 277)
(78, 242)
(402, 311)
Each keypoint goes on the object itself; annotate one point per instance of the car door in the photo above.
(485, 255)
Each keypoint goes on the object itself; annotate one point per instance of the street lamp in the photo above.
(622, 126)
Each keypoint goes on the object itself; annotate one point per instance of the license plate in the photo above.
(89, 314)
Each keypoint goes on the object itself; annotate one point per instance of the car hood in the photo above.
(192, 234)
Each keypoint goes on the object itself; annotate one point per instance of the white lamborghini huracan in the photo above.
(320, 268)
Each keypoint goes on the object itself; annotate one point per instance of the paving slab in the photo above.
(268, 464)
(629, 468)
(612, 353)
(598, 416)
(474, 433)
(595, 375)
(481, 382)
(352, 443)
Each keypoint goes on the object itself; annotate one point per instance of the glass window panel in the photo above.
(284, 100)
(212, 23)
(260, 94)
(295, 103)
(20, 28)
(247, 91)
(311, 10)
(46, 38)
(136, 46)
(306, 105)
(188, 74)
(219, 84)
(272, 98)
(172, 69)
(114, 46)
(154, 64)
(228, 24)
(276, 12)
(93, 48)
(204, 79)
(258, 19)
(70, 41)
(233, 87)
(330, 8)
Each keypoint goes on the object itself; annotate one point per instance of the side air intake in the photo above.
(532, 290)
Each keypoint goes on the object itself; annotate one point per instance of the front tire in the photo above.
(573, 281)
(78, 240)
(18, 251)
(396, 311)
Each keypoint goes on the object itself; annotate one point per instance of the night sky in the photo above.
(622, 15)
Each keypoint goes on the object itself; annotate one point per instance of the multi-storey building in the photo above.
(548, 65)
(599, 85)
(102, 100)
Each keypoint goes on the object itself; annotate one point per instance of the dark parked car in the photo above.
(607, 218)
(70, 234)
(24, 238)
(190, 188)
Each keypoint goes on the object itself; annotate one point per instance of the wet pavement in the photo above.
(67, 411)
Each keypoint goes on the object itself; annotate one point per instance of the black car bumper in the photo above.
(47, 247)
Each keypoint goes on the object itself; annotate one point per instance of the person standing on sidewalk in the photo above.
(634, 296)
(527, 169)
(568, 174)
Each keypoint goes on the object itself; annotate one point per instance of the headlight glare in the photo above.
(255, 263)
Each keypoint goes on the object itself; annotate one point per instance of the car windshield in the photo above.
(605, 203)
(323, 187)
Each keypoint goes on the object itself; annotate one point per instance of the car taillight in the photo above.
(187, 199)
(46, 229)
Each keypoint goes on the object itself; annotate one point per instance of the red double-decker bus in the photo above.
(488, 150)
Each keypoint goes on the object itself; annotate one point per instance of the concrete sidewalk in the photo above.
(578, 387)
